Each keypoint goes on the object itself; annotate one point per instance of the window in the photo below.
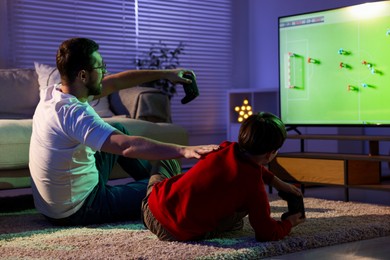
(124, 28)
(37, 28)
(206, 32)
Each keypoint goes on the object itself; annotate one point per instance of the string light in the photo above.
(244, 111)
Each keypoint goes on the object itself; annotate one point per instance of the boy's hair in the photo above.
(74, 55)
(261, 133)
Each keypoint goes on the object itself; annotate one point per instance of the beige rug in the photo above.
(26, 235)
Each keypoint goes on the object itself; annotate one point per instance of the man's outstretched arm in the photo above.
(149, 149)
(132, 78)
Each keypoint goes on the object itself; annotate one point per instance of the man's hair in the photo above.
(74, 55)
(261, 133)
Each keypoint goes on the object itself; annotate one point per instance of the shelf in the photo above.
(336, 156)
(265, 99)
(347, 170)
(381, 186)
(341, 137)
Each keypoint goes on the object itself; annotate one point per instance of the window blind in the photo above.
(205, 29)
(37, 28)
(124, 29)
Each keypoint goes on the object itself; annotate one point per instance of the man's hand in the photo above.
(190, 152)
(176, 76)
(296, 219)
(149, 149)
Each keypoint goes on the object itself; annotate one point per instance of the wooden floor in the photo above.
(378, 248)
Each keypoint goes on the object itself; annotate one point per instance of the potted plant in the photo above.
(160, 56)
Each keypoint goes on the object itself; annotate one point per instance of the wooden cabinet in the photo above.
(346, 170)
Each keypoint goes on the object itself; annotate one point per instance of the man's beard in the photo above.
(93, 89)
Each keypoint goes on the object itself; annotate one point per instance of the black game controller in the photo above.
(191, 89)
(294, 204)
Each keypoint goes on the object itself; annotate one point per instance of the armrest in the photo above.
(142, 103)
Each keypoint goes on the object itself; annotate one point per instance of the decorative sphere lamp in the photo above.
(244, 111)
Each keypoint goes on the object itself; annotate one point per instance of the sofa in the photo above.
(143, 111)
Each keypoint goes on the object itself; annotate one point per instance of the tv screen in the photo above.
(334, 66)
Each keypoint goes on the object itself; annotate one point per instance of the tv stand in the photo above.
(293, 128)
(346, 170)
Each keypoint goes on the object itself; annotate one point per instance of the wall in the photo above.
(241, 41)
(263, 34)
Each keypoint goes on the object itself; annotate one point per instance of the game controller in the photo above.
(191, 90)
(294, 204)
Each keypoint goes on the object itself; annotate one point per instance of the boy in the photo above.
(222, 188)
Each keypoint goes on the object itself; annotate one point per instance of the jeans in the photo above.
(167, 169)
(113, 203)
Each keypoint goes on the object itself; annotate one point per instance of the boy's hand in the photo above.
(290, 188)
(296, 219)
(286, 187)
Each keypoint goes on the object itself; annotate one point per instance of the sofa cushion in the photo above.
(48, 75)
(164, 132)
(15, 137)
(19, 94)
(102, 107)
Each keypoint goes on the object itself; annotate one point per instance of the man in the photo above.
(72, 150)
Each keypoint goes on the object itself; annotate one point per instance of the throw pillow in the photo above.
(19, 94)
(48, 75)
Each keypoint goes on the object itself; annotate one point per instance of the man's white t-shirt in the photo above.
(66, 134)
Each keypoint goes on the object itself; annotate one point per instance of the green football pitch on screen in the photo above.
(335, 66)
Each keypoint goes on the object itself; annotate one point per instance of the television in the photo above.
(334, 66)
